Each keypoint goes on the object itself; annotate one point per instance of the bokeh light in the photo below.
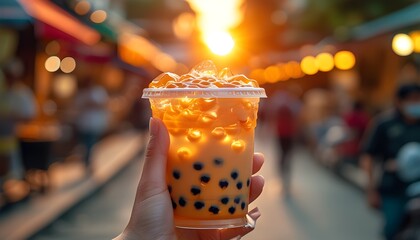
(52, 64)
(258, 75)
(183, 25)
(293, 70)
(98, 16)
(415, 37)
(52, 48)
(309, 65)
(402, 44)
(68, 64)
(344, 60)
(272, 74)
(325, 62)
(64, 85)
(82, 7)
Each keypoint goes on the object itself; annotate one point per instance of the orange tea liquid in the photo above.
(210, 155)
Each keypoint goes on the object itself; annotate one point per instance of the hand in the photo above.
(152, 215)
(373, 198)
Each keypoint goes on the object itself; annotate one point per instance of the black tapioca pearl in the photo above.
(224, 200)
(198, 205)
(205, 178)
(214, 209)
(173, 204)
(198, 166)
(195, 190)
(218, 161)
(234, 175)
(248, 182)
(182, 202)
(232, 210)
(223, 183)
(239, 185)
(243, 205)
(169, 188)
(237, 200)
(176, 174)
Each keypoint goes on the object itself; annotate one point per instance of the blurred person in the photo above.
(152, 215)
(356, 122)
(17, 104)
(287, 109)
(388, 133)
(92, 117)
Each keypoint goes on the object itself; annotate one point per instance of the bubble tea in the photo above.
(210, 117)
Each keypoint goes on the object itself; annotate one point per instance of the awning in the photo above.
(405, 18)
(12, 14)
(53, 16)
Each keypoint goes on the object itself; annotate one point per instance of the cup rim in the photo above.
(242, 92)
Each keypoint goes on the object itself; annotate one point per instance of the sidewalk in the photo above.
(70, 185)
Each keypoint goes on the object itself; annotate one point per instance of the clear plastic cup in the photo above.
(211, 117)
(211, 150)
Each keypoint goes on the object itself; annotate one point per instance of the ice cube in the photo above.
(238, 146)
(225, 73)
(194, 135)
(163, 79)
(184, 153)
(205, 68)
(218, 133)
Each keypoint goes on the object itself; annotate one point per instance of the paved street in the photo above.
(321, 206)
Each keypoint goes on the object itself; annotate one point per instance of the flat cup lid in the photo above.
(241, 92)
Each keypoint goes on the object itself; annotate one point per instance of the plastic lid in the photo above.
(241, 92)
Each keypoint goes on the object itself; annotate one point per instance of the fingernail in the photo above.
(153, 127)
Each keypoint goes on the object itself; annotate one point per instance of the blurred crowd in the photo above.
(36, 134)
(383, 146)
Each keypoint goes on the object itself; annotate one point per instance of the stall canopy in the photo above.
(12, 14)
(402, 19)
(53, 18)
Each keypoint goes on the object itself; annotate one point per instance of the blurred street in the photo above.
(321, 205)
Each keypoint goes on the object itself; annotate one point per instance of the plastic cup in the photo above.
(211, 149)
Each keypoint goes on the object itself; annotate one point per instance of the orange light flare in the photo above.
(215, 19)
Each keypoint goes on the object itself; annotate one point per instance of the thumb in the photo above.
(153, 179)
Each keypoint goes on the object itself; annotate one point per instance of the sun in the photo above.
(220, 43)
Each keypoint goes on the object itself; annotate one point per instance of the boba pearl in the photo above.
(232, 210)
(195, 190)
(194, 135)
(176, 174)
(243, 205)
(223, 183)
(182, 202)
(198, 166)
(247, 124)
(248, 182)
(204, 178)
(238, 146)
(224, 200)
(214, 209)
(218, 161)
(184, 153)
(239, 185)
(173, 204)
(237, 200)
(234, 174)
(199, 205)
(208, 117)
(169, 188)
(218, 133)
